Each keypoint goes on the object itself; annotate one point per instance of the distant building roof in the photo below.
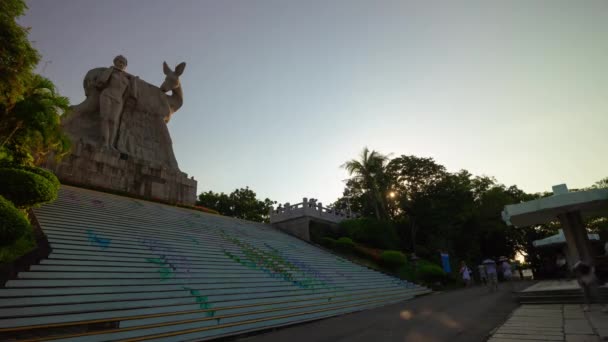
(558, 239)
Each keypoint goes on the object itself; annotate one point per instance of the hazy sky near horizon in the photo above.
(279, 93)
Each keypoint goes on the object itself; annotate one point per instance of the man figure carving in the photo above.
(114, 81)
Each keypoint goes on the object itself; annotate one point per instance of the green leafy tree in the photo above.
(30, 109)
(29, 104)
(241, 203)
(31, 130)
(412, 178)
(17, 56)
(601, 184)
(216, 201)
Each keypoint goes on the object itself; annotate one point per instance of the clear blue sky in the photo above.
(278, 94)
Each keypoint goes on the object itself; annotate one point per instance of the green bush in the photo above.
(393, 259)
(372, 232)
(20, 247)
(407, 272)
(328, 242)
(345, 244)
(25, 188)
(430, 273)
(44, 173)
(13, 223)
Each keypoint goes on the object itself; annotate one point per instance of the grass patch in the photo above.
(21, 246)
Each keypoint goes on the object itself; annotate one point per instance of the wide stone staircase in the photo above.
(126, 269)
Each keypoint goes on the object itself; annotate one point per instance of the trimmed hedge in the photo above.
(13, 223)
(328, 242)
(44, 173)
(25, 188)
(393, 259)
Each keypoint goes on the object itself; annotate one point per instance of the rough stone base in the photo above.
(112, 170)
(301, 227)
(298, 227)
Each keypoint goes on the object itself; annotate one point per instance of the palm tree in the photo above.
(369, 171)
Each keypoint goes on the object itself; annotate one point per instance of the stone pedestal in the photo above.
(91, 166)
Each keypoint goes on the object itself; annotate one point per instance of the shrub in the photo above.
(20, 247)
(48, 175)
(372, 232)
(345, 244)
(328, 242)
(407, 272)
(393, 259)
(204, 209)
(430, 273)
(372, 254)
(13, 223)
(25, 188)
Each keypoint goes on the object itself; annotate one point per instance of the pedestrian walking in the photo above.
(585, 275)
(491, 271)
(483, 276)
(465, 272)
(507, 272)
(505, 267)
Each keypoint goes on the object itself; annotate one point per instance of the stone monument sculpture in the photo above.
(120, 136)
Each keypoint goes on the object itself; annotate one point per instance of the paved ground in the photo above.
(466, 315)
(554, 322)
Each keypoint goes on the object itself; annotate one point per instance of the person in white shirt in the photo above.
(506, 268)
(490, 266)
(465, 272)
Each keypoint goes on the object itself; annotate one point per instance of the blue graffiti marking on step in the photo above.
(97, 240)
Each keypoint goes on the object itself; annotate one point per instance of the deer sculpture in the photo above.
(175, 100)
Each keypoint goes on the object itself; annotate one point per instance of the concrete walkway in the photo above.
(466, 315)
(553, 322)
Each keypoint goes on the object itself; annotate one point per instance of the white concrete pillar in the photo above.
(579, 246)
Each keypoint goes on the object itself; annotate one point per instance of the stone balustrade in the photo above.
(309, 208)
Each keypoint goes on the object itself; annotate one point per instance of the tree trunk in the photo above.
(413, 233)
(12, 133)
(376, 208)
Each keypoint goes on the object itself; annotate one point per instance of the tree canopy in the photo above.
(436, 210)
(241, 203)
(17, 56)
(30, 106)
